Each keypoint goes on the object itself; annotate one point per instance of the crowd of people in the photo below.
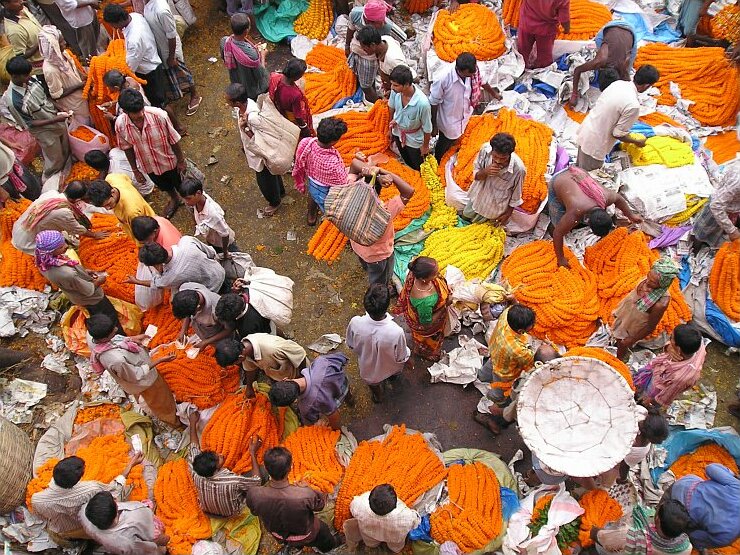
(47, 77)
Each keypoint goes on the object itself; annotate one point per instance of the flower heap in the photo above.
(315, 459)
(316, 21)
(442, 215)
(418, 204)
(418, 6)
(402, 459)
(724, 280)
(475, 249)
(81, 172)
(600, 508)
(472, 517)
(327, 242)
(604, 356)
(325, 57)
(367, 132)
(564, 298)
(586, 18)
(723, 146)
(168, 327)
(95, 412)
(16, 268)
(324, 90)
(84, 134)
(697, 461)
(567, 534)
(471, 28)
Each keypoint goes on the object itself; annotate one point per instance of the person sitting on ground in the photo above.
(725, 30)
(279, 358)
(190, 260)
(642, 309)
(119, 195)
(128, 528)
(574, 197)
(498, 174)
(320, 390)
(238, 315)
(115, 162)
(244, 60)
(613, 115)
(128, 362)
(652, 430)
(60, 503)
(210, 223)
(675, 370)
(378, 342)
(288, 97)
(719, 220)
(195, 305)
(410, 117)
(380, 517)
(221, 492)
(287, 511)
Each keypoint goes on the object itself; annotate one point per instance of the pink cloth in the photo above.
(117, 342)
(475, 89)
(375, 10)
(324, 165)
(671, 379)
(589, 187)
(383, 247)
(541, 17)
(168, 235)
(234, 55)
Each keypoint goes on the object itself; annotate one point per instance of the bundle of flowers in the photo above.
(327, 242)
(564, 299)
(367, 132)
(81, 172)
(418, 204)
(586, 18)
(532, 145)
(316, 21)
(85, 134)
(621, 260)
(325, 57)
(403, 460)
(600, 508)
(578, 117)
(567, 534)
(315, 459)
(116, 254)
(418, 6)
(471, 28)
(697, 461)
(723, 146)
(442, 215)
(178, 507)
(705, 76)
(604, 356)
(473, 516)
(168, 327)
(201, 380)
(475, 249)
(324, 90)
(16, 268)
(95, 412)
(105, 458)
(724, 280)
(693, 205)
(235, 421)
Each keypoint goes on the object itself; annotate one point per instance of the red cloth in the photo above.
(541, 17)
(290, 101)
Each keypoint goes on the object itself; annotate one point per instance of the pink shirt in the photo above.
(383, 247)
(541, 17)
(168, 233)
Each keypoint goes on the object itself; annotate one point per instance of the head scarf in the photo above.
(375, 10)
(667, 271)
(50, 49)
(47, 242)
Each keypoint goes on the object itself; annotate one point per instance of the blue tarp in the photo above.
(661, 33)
(682, 441)
(721, 324)
(276, 23)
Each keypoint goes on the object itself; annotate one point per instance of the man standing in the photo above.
(613, 115)
(538, 24)
(497, 189)
(22, 30)
(81, 16)
(719, 220)
(411, 117)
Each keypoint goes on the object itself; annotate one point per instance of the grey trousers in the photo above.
(586, 162)
(54, 143)
(86, 38)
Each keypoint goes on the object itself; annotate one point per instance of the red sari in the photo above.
(427, 338)
(291, 103)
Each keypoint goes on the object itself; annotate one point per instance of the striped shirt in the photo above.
(152, 143)
(491, 197)
(224, 493)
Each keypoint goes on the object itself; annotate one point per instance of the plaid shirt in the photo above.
(511, 353)
(153, 143)
(324, 165)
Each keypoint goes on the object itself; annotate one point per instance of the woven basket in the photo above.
(15, 465)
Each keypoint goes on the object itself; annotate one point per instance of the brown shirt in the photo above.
(287, 510)
(76, 283)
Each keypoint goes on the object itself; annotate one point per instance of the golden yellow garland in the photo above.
(316, 21)
(475, 249)
(442, 215)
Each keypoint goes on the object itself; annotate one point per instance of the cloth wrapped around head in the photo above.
(49, 46)
(47, 242)
(667, 271)
(375, 10)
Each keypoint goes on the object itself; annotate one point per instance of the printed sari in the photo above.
(427, 338)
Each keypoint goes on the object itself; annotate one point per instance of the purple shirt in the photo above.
(326, 387)
(541, 17)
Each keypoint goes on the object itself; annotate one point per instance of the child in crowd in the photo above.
(210, 224)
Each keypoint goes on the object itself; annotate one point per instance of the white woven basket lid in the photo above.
(578, 415)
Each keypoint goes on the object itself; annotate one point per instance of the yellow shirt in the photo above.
(510, 351)
(23, 35)
(131, 204)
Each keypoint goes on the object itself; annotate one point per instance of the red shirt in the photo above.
(541, 17)
(383, 247)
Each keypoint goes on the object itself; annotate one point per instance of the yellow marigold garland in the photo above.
(367, 132)
(418, 204)
(327, 242)
(693, 205)
(724, 280)
(475, 249)
(315, 459)
(471, 28)
(316, 21)
(697, 461)
(604, 356)
(600, 509)
(442, 215)
(17, 269)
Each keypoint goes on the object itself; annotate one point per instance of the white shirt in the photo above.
(613, 115)
(77, 17)
(120, 164)
(391, 528)
(452, 97)
(141, 46)
(210, 223)
(162, 23)
(394, 56)
(380, 347)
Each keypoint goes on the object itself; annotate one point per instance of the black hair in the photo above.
(503, 143)
(113, 13)
(654, 427)
(68, 471)
(98, 192)
(130, 100)
(423, 267)
(75, 190)
(646, 75)
(330, 130)
(97, 160)
(278, 461)
(228, 352)
(205, 463)
(113, 78)
(185, 303)
(152, 254)
(236, 92)
(229, 307)
(607, 76)
(376, 301)
(674, 518)
(688, 338)
(101, 510)
(401, 75)
(282, 394)
(294, 69)
(368, 35)
(100, 326)
(18, 65)
(520, 318)
(383, 499)
(240, 23)
(600, 222)
(143, 226)
(189, 187)
(466, 62)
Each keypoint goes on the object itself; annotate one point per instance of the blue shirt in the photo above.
(713, 504)
(416, 116)
(326, 387)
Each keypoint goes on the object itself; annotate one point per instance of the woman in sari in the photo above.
(243, 59)
(288, 97)
(423, 302)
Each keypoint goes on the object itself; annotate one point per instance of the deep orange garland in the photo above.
(81, 172)
(724, 280)
(326, 58)
(327, 242)
(471, 28)
(586, 18)
(88, 414)
(418, 204)
(724, 146)
(367, 132)
(315, 459)
(324, 90)
(600, 509)
(17, 269)
(168, 327)
(696, 462)
(604, 356)
(418, 6)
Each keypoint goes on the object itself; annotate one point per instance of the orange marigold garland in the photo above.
(724, 280)
(168, 327)
(325, 57)
(81, 172)
(586, 18)
(327, 242)
(95, 412)
(403, 460)
(600, 508)
(603, 356)
(564, 298)
(697, 461)
(471, 28)
(178, 507)
(473, 516)
(724, 146)
(315, 459)
(17, 269)
(418, 204)
(418, 6)
(324, 90)
(367, 132)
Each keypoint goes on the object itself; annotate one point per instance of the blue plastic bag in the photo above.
(423, 531)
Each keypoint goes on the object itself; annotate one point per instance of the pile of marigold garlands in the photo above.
(600, 508)
(724, 280)
(367, 132)
(327, 242)
(697, 461)
(475, 249)
(316, 21)
(16, 268)
(315, 460)
(471, 28)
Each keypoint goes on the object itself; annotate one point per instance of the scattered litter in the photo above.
(288, 201)
(292, 236)
(212, 160)
(25, 528)
(696, 412)
(334, 297)
(215, 132)
(18, 398)
(225, 179)
(23, 311)
(169, 440)
(213, 59)
(325, 343)
(460, 365)
(56, 362)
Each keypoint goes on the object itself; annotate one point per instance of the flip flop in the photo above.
(192, 109)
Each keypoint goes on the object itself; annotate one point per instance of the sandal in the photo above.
(269, 211)
(194, 107)
(171, 209)
(487, 422)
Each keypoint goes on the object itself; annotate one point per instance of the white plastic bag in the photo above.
(205, 547)
(270, 294)
(236, 265)
(146, 297)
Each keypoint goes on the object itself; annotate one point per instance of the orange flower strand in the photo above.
(418, 204)
(81, 172)
(604, 356)
(324, 90)
(88, 414)
(697, 461)
(327, 242)
(724, 280)
(600, 509)
(168, 327)
(315, 457)
(418, 6)
(17, 269)
(367, 132)
(724, 146)
(471, 28)
(83, 133)
(325, 57)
